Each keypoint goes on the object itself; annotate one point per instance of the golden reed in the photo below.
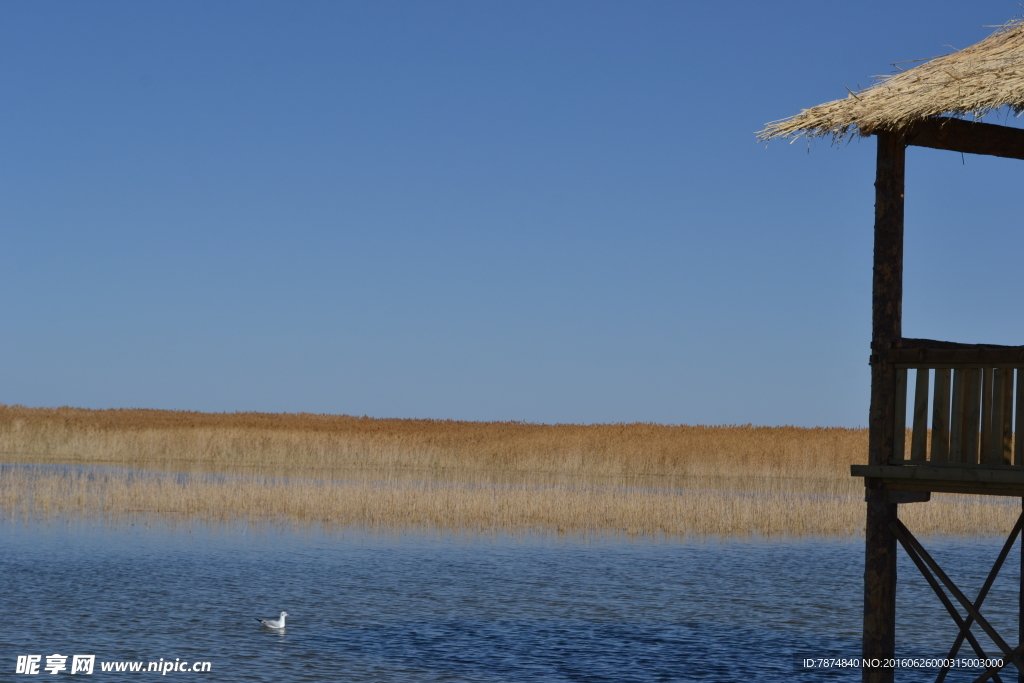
(635, 479)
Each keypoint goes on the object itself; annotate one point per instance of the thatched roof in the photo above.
(972, 82)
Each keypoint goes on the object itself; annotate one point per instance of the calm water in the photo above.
(372, 607)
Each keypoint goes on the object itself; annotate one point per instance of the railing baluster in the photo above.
(956, 427)
(976, 415)
(919, 439)
(995, 426)
(973, 416)
(900, 432)
(986, 416)
(1018, 445)
(1006, 423)
(940, 417)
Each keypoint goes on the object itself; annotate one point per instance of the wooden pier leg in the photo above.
(1020, 600)
(879, 586)
(887, 319)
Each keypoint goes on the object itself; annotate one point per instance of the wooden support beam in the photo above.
(879, 639)
(992, 672)
(919, 342)
(927, 473)
(908, 541)
(950, 358)
(1002, 490)
(945, 478)
(918, 555)
(905, 497)
(968, 137)
(983, 593)
(932, 353)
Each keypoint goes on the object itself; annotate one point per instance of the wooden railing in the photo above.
(973, 396)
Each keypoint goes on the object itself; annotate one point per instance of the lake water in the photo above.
(421, 607)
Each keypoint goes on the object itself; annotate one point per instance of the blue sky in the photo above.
(541, 211)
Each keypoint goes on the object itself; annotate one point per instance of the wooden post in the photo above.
(1020, 599)
(887, 327)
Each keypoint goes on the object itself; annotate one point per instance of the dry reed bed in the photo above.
(32, 493)
(327, 446)
(635, 479)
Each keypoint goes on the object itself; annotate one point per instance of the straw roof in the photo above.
(972, 82)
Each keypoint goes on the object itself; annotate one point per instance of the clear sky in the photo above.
(542, 211)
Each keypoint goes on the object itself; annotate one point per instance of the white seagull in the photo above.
(274, 623)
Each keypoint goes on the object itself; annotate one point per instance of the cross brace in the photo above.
(935, 576)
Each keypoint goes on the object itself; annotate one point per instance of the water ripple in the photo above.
(421, 607)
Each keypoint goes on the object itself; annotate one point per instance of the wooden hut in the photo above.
(966, 399)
